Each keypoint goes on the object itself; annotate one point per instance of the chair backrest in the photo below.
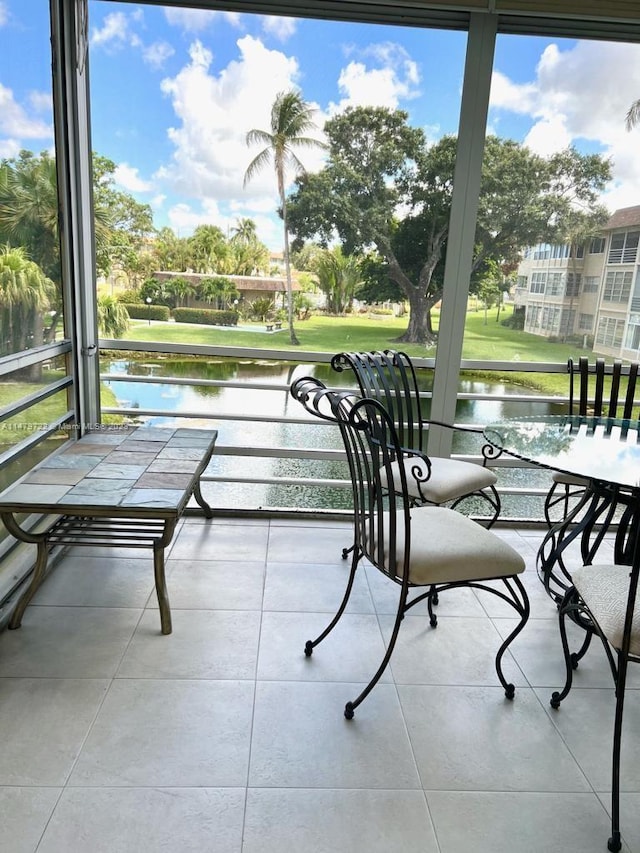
(381, 514)
(390, 378)
(587, 388)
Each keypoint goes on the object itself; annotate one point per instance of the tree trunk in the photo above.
(287, 266)
(418, 331)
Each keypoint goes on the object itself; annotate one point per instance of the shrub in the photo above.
(140, 311)
(205, 316)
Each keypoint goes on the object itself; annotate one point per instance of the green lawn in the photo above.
(483, 341)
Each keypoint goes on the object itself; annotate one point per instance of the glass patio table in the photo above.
(116, 487)
(605, 453)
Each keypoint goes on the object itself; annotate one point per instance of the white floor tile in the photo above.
(137, 820)
(301, 738)
(169, 733)
(325, 821)
(24, 813)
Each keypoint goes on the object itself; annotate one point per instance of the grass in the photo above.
(489, 341)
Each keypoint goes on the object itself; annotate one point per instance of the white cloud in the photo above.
(279, 27)
(9, 148)
(128, 177)
(156, 54)
(41, 102)
(119, 30)
(197, 20)
(115, 29)
(4, 13)
(381, 76)
(15, 121)
(215, 110)
(580, 96)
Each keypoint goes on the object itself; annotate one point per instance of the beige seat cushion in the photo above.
(604, 589)
(450, 478)
(569, 479)
(447, 546)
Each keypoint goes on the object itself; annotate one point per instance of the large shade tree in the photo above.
(384, 186)
(291, 120)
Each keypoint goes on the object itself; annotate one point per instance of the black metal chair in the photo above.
(587, 397)
(606, 596)
(433, 547)
(390, 377)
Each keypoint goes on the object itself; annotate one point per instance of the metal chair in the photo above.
(606, 596)
(432, 547)
(389, 377)
(587, 397)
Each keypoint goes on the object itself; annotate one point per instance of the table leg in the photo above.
(158, 569)
(42, 542)
(197, 493)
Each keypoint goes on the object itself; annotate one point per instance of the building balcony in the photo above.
(223, 736)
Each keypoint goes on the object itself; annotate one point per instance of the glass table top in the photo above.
(605, 449)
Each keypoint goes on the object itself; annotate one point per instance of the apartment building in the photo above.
(593, 292)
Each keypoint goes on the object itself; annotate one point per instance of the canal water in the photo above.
(212, 402)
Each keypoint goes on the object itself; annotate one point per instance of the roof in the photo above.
(243, 282)
(624, 218)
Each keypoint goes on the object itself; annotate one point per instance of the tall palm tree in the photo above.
(291, 118)
(633, 115)
(25, 294)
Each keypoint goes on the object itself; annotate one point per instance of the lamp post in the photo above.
(148, 300)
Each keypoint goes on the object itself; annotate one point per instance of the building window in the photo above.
(550, 321)
(538, 282)
(591, 284)
(596, 247)
(554, 284)
(617, 286)
(624, 247)
(533, 317)
(610, 332)
(585, 322)
(573, 284)
(522, 281)
(633, 333)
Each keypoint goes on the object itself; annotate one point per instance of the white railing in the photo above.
(270, 456)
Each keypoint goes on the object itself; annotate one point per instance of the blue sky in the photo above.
(174, 92)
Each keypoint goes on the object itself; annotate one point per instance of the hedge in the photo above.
(140, 311)
(205, 316)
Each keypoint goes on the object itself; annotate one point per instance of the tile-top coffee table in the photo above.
(115, 486)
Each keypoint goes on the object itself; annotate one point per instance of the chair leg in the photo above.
(311, 644)
(350, 707)
(521, 604)
(615, 843)
(569, 602)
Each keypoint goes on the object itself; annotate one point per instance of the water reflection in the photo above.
(210, 402)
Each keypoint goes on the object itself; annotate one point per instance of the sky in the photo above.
(174, 92)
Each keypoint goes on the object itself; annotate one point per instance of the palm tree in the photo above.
(633, 115)
(291, 118)
(113, 318)
(25, 294)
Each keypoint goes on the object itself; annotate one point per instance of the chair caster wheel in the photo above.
(433, 621)
(308, 648)
(510, 691)
(348, 711)
(345, 553)
(555, 700)
(614, 843)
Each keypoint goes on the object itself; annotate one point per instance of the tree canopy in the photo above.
(385, 187)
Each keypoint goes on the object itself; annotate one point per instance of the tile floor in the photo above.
(223, 737)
